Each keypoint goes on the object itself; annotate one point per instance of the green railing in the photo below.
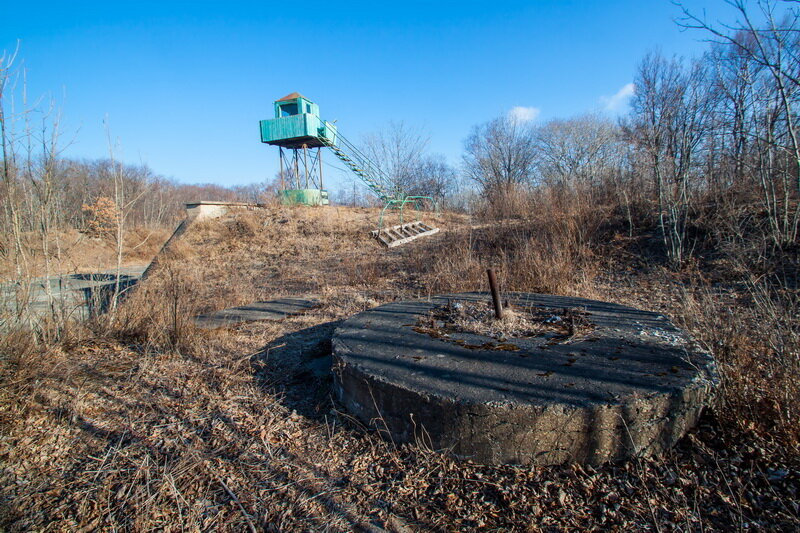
(401, 203)
(375, 178)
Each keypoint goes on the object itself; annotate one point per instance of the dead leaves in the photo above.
(105, 436)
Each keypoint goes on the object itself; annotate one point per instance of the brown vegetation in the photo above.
(79, 253)
(137, 420)
(141, 421)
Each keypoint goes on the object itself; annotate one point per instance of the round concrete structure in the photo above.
(632, 386)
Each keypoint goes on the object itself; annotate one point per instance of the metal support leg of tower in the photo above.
(319, 162)
(305, 162)
(296, 170)
(280, 156)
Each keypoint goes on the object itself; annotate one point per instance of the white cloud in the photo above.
(619, 100)
(524, 114)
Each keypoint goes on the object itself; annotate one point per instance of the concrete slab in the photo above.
(632, 386)
(272, 310)
(77, 296)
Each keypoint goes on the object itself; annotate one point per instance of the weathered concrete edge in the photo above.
(575, 433)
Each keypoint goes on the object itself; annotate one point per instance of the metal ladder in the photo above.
(365, 169)
(380, 184)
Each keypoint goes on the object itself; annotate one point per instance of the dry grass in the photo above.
(74, 252)
(518, 322)
(143, 422)
(755, 335)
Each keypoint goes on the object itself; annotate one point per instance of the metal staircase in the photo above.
(365, 169)
(379, 183)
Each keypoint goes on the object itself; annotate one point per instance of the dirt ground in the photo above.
(142, 422)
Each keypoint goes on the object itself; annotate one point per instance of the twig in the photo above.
(238, 503)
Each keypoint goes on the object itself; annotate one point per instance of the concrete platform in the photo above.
(631, 387)
(74, 296)
(272, 310)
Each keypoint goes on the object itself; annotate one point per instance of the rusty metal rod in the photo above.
(498, 307)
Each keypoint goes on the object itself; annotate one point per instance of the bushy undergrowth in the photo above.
(755, 336)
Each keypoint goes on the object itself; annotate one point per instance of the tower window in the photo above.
(288, 109)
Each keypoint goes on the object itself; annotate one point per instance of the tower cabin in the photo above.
(297, 124)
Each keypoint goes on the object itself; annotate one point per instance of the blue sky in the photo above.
(184, 84)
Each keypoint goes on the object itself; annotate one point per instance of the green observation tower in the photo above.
(300, 134)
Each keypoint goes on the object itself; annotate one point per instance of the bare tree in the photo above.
(401, 153)
(763, 89)
(30, 149)
(433, 177)
(581, 150)
(10, 193)
(398, 151)
(733, 74)
(40, 170)
(668, 124)
(500, 157)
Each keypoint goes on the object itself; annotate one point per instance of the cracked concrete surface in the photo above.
(609, 394)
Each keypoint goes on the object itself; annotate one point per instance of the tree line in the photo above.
(718, 130)
(78, 185)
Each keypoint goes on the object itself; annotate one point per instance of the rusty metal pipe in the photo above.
(498, 307)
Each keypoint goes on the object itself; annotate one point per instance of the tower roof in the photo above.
(292, 96)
